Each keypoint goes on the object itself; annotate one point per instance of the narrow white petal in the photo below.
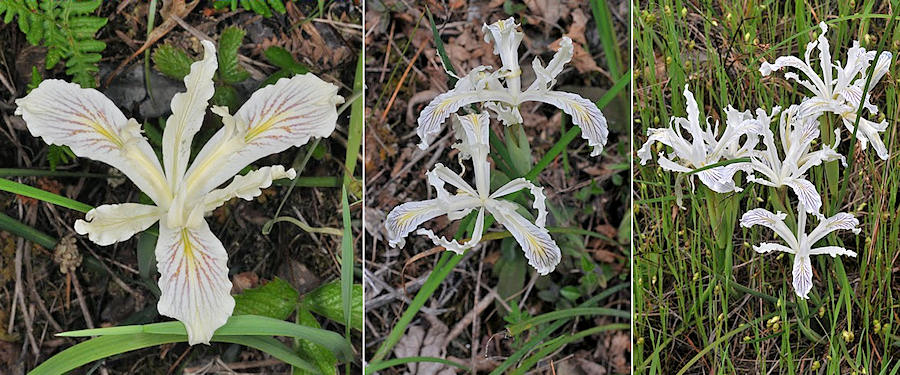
(869, 131)
(111, 223)
(275, 118)
(773, 221)
(536, 191)
(670, 165)
(767, 247)
(63, 113)
(506, 37)
(188, 109)
(506, 113)
(476, 128)
(445, 174)
(584, 113)
(816, 158)
(840, 221)
(540, 249)
(834, 251)
(692, 121)
(247, 186)
(545, 77)
(813, 81)
(666, 136)
(802, 274)
(193, 280)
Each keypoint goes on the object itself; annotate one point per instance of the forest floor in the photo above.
(492, 286)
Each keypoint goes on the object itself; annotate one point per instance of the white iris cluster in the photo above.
(499, 92)
(783, 160)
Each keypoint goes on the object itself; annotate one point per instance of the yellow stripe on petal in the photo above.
(63, 113)
(188, 109)
(584, 113)
(540, 249)
(276, 117)
(194, 283)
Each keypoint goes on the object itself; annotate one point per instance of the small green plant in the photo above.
(281, 58)
(260, 7)
(66, 28)
(175, 63)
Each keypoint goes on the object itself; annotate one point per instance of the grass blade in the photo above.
(516, 329)
(347, 259)
(20, 229)
(446, 264)
(106, 346)
(354, 133)
(238, 325)
(99, 348)
(607, 34)
(46, 196)
(405, 360)
(564, 340)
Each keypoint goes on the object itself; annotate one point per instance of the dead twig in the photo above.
(81, 302)
(176, 9)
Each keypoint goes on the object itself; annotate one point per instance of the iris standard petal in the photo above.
(188, 109)
(506, 37)
(247, 186)
(545, 77)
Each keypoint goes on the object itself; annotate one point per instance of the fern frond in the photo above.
(66, 28)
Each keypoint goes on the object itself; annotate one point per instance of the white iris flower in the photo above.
(191, 260)
(540, 249)
(484, 86)
(703, 148)
(840, 94)
(797, 134)
(801, 244)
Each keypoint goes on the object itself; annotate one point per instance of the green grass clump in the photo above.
(704, 301)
